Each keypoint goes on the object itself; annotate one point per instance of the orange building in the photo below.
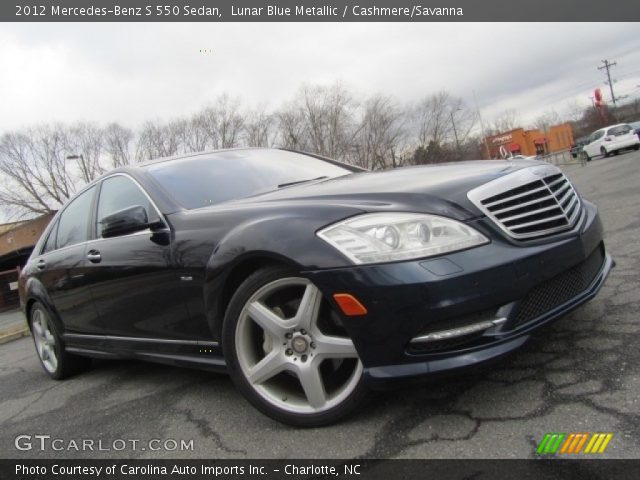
(529, 142)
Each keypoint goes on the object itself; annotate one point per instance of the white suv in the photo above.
(610, 140)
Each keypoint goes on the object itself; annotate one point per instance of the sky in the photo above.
(132, 72)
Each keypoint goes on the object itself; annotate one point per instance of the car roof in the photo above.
(196, 154)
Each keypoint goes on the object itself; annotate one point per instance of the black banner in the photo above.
(317, 11)
(321, 469)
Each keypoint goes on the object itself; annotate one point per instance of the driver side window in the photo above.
(120, 192)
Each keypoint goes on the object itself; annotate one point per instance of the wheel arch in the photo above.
(35, 292)
(219, 292)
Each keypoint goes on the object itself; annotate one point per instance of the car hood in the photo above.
(439, 189)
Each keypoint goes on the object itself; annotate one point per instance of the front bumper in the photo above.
(516, 281)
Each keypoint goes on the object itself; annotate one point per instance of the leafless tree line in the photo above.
(42, 166)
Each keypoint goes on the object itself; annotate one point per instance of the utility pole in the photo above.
(484, 139)
(455, 133)
(606, 67)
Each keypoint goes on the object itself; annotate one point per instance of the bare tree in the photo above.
(84, 143)
(574, 111)
(505, 121)
(258, 129)
(442, 123)
(196, 138)
(548, 118)
(291, 129)
(33, 166)
(329, 118)
(433, 122)
(156, 140)
(379, 139)
(117, 144)
(223, 122)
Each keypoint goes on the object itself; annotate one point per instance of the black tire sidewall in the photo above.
(255, 281)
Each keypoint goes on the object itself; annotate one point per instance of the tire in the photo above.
(586, 156)
(636, 146)
(55, 361)
(287, 352)
(604, 152)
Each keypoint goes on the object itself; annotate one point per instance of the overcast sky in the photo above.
(132, 72)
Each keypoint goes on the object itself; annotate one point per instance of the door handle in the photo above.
(94, 256)
(41, 265)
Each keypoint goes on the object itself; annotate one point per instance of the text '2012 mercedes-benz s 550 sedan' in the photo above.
(309, 281)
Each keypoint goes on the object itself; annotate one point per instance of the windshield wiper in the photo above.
(301, 181)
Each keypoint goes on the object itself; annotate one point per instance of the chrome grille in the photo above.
(529, 203)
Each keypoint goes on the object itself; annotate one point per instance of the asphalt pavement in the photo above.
(580, 375)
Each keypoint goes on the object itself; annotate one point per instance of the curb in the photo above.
(14, 334)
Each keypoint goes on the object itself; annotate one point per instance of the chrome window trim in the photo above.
(122, 174)
(92, 240)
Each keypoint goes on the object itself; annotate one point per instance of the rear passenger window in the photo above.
(74, 221)
(120, 192)
(50, 244)
(620, 130)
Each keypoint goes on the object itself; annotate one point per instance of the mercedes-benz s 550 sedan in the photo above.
(309, 281)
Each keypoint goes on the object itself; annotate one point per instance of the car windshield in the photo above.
(204, 180)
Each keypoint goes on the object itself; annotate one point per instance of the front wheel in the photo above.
(288, 352)
(604, 152)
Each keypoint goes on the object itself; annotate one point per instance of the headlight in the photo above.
(386, 237)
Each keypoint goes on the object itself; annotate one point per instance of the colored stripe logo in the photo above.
(574, 443)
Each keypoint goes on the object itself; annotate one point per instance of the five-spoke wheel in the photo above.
(289, 352)
(44, 340)
(55, 360)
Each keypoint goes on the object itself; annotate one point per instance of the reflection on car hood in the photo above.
(414, 188)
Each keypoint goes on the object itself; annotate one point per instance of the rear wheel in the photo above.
(636, 146)
(287, 351)
(54, 359)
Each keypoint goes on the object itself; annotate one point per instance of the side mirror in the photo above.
(125, 221)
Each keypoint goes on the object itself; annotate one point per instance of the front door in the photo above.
(133, 283)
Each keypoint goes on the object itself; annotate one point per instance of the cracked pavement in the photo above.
(581, 374)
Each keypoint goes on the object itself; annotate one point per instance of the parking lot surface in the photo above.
(580, 375)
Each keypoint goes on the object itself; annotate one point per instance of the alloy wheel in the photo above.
(45, 341)
(285, 355)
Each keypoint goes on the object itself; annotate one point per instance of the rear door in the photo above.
(62, 266)
(133, 283)
(620, 135)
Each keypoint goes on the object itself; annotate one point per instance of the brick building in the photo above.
(529, 142)
(16, 244)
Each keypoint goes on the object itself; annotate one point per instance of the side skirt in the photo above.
(180, 353)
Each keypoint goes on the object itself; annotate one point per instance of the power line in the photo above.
(607, 65)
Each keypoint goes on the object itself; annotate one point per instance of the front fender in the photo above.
(286, 237)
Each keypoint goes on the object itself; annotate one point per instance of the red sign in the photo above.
(597, 93)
